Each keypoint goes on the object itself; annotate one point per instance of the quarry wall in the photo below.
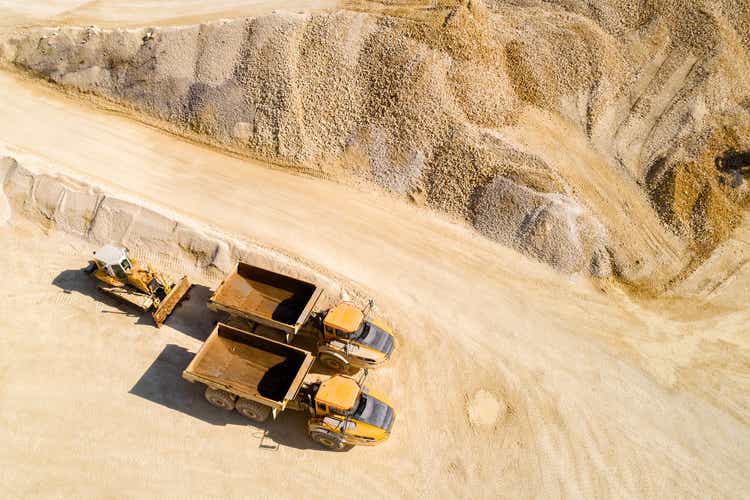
(62, 203)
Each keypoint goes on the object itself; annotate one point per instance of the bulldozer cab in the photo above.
(113, 260)
(342, 321)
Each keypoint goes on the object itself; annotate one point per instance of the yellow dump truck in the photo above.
(258, 376)
(347, 337)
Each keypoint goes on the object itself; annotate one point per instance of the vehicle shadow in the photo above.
(191, 316)
(162, 383)
(76, 280)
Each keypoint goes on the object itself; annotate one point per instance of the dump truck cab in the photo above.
(351, 336)
(345, 413)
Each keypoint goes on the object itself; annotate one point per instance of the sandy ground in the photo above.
(126, 13)
(512, 380)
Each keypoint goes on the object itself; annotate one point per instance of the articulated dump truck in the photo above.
(347, 337)
(258, 376)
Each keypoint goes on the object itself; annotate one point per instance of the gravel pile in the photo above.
(440, 103)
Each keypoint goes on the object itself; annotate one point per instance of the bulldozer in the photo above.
(127, 279)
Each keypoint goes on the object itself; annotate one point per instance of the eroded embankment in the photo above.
(585, 137)
(62, 203)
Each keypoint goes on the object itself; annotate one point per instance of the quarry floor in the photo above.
(511, 380)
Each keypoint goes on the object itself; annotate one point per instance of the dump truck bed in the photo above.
(266, 297)
(250, 366)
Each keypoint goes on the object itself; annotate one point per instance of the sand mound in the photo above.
(551, 227)
(484, 409)
(584, 136)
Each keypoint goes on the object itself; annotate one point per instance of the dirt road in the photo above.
(513, 381)
(121, 13)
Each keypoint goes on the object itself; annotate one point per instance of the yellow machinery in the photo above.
(128, 280)
(345, 413)
(353, 338)
(259, 376)
(348, 337)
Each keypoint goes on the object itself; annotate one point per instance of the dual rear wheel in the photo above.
(259, 413)
(252, 410)
(220, 399)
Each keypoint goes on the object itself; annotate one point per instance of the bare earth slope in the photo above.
(585, 137)
(513, 381)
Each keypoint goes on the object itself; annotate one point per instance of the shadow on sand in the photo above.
(163, 384)
(191, 316)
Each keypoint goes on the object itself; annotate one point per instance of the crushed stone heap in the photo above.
(582, 134)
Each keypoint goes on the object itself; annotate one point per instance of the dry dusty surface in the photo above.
(127, 13)
(512, 380)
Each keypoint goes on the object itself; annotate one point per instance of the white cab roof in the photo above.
(110, 254)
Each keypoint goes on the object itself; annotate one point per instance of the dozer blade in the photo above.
(126, 294)
(170, 301)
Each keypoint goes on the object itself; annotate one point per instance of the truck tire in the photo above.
(333, 361)
(329, 440)
(220, 398)
(253, 410)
